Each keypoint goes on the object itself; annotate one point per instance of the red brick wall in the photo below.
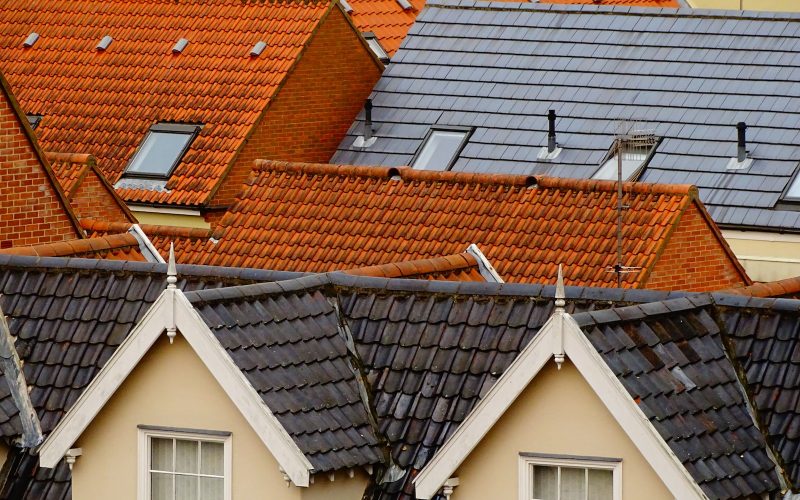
(30, 210)
(317, 104)
(92, 200)
(694, 259)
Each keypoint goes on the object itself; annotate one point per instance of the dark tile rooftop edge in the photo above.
(614, 9)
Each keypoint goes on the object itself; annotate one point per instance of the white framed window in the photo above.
(184, 464)
(441, 148)
(559, 477)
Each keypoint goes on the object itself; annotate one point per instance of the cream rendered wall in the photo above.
(168, 219)
(766, 256)
(772, 5)
(558, 413)
(171, 387)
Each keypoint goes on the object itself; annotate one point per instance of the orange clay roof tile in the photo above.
(785, 288)
(111, 247)
(459, 267)
(105, 102)
(316, 218)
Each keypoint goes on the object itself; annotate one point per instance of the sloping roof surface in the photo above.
(291, 351)
(317, 218)
(104, 102)
(123, 246)
(671, 358)
(688, 76)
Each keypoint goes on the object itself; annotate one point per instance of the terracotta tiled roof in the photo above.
(112, 247)
(317, 218)
(105, 102)
(632, 3)
(457, 267)
(786, 288)
(73, 170)
(187, 240)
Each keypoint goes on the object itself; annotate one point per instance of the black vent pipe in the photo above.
(551, 131)
(368, 120)
(741, 150)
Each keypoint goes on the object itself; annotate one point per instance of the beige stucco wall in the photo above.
(766, 256)
(557, 414)
(171, 387)
(165, 219)
(775, 5)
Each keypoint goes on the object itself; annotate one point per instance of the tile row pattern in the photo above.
(104, 102)
(688, 76)
(319, 218)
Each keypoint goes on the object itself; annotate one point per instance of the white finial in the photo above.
(560, 295)
(172, 274)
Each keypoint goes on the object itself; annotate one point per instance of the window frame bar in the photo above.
(528, 460)
(147, 432)
(793, 200)
(634, 177)
(435, 128)
(192, 130)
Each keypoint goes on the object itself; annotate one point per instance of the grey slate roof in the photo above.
(687, 75)
(671, 358)
(291, 350)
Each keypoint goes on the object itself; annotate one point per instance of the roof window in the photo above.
(30, 40)
(441, 148)
(635, 149)
(161, 150)
(793, 193)
(33, 120)
(376, 47)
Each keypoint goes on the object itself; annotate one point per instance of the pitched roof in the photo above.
(184, 239)
(424, 385)
(38, 210)
(457, 267)
(76, 171)
(499, 68)
(123, 246)
(316, 218)
(104, 102)
(787, 288)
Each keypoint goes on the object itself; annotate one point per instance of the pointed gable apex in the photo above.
(172, 311)
(560, 336)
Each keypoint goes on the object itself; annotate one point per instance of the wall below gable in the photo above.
(694, 260)
(313, 110)
(558, 413)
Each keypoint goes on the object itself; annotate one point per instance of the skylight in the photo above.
(440, 149)
(161, 150)
(636, 151)
(375, 46)
(33, 120)
(793, 193)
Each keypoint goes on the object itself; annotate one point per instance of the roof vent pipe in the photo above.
(180, 45)
(28, 43)
(258, 48)
(551, 131)
(104, 43)
(367, 120)
(741, 151)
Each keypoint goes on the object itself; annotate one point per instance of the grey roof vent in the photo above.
(258, 48)
(551, 151)
(104, 43)
(405, 4)
(180, 45)
(741, 161)
(366, 140)
(346, 6)
(28, 43)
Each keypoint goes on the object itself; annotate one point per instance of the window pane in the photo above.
(573, 484)
(161, 454)
(630, 163)
(794, 189)
(439, 150)
(186, 487)
(600, 482)
(186, 456)
(545, 483)
(160, 486)
(212, 459)
(211, 488)
(158, 153)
